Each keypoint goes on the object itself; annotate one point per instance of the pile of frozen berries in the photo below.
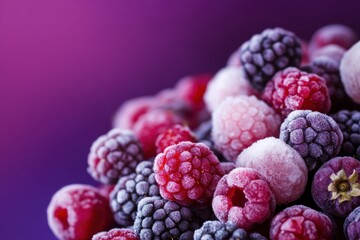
(267, 148)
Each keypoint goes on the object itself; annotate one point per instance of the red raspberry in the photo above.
(174, 135)
(243, 197)
(187, 173)
(77, 212)
(150, 125)
(114, 155)
(293, 89)
(129, 112)
(105, 190)
(300, 222)
(192, 88)
(116, 234)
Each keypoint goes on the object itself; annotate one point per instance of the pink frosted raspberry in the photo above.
(130, 111)
(187, 173)
(350, 72)
(300, 222)
(239, 122)
(227, 82)
(280, 164)
(150, 125)
(77, 212)
(116, 234)
(337, 34)
(243, 197)
(332, 51)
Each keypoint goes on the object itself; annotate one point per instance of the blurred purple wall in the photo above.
(65, 66)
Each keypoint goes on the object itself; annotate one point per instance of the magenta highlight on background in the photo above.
(65, 67)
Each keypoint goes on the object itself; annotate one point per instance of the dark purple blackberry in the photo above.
(349, 123)
(158, 218)
(130, 190)
(114, 155)
(314, 135)
(267, 53)
(328, 69)
(216, 230)
(352, 225)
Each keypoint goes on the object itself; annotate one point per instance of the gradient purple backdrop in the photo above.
(65, 67)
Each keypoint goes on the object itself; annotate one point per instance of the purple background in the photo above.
(65, 66)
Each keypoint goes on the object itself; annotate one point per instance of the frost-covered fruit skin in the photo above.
(216, 230)
(337, 34)
(281, 165)
(322, 179)
(239, 122)
(266, 53)
(328, 69)
(227, 82)
(174, 135)
(150, 125)
(158, 218)
(300, 222)
(187, 173)
(234, 60)
(114, 155)
(292, 89)
(331, 51)
(192, 89)
(315, 136)
(130, 190)
(130, 111)
(350, 72)
(349, 123)
(243, 197)
(352, 225)
(116, 234)
(77, 212)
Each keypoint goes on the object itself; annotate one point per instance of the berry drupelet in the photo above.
(267, 53)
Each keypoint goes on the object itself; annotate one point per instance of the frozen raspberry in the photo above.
(116, 234)
(187, 173)
(281, 166)
(77, 212)
(150, 125)
(192, 88)
(352, 225)
(300, 222)
(350, 72)
(130, 111)
(337, 34)
(266, 53)
(239, 122)
(243, 197)
(174, 135)
(130, 190)
(158, 218)
(336, 186)
(314, 135)
(293, 89)
(215, 230)
(114, 155)
(227, 82)
(331, 51)
(105, 190)
(349, 123)
(328, 69)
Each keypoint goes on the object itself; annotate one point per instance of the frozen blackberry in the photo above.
(266, 53)
(328, 69)
(349, 123)
(130, 190)
(114, 155)
(158, 218)
(216, 230)
(352, 225)
(315, 136)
